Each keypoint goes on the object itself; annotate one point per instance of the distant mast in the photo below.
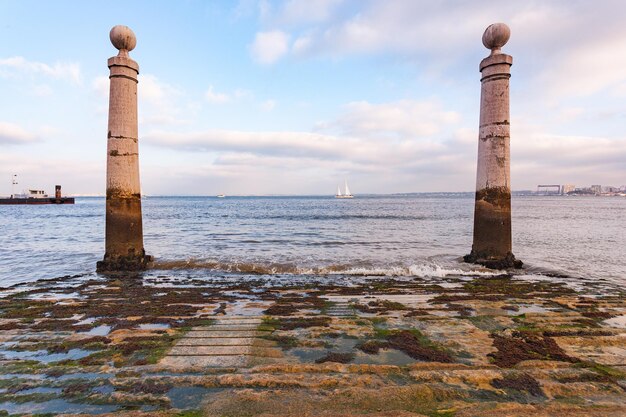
(13, 184)
(346, 194)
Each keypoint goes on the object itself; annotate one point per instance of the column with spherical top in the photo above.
(124, 233)
(492, 244)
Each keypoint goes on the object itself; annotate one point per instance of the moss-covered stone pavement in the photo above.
(246, 345)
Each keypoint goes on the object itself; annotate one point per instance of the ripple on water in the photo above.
(44, 356)
(102, 330)
(57, 406)
(189, 398)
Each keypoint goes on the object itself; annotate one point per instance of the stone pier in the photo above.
(492, 211)
(124, 234)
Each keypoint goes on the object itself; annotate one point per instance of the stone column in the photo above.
(492, 210)
(124, 234)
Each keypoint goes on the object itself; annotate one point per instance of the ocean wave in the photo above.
(425, 270)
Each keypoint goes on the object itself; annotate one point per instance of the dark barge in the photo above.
(57, 199)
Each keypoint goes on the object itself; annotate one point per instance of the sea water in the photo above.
(419, 235)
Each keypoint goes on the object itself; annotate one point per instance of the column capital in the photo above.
(496, 66)
(123, 61)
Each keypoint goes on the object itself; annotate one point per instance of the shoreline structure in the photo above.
(492, 245)
(124, 249)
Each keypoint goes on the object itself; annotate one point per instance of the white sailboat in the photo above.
(347, 193)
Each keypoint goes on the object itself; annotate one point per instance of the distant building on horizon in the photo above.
(596, 189)
(609, 189)
(567, 188)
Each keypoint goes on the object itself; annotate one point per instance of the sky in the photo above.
(257, 97)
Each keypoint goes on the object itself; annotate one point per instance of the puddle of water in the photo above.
(383, 357)
(5, 292)
(342, 344)
(154, 326)
(148, 408)
(88, 320)
(619, 322)
(347, 345)
(308, 355)
(85, 375)
(443, 313)
(22, 376)
(189, 398)
(450, 284)
(102, 330)
(246, 308)
(409, 300)
(53, 296)
(44, 356)
(239, 294)
(40, 390)
(57, 406)
(103, 389)
(528, 308)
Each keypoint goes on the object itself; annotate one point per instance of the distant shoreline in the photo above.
(467, 194)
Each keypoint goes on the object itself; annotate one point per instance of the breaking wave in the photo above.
(415, 270)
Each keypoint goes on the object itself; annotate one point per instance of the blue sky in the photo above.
(293, 97)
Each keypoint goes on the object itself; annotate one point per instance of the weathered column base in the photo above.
(131, 262)
(491, 262)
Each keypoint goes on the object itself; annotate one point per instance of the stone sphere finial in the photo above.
(496, 36)
(123, 38)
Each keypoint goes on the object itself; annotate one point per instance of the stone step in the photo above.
(220, 350)
(184, 362)
(225, 333)
(224, 341)
(237, 322)
(229, 342)
(225, 327)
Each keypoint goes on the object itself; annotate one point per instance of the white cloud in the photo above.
(153, 90)
(269, 47)
(306, 11)
(241, 93)
(301, 45)
(567, 48)
(401, 119)
(586, 69)
(215, 97)
(158, 102)
(17, 65)
(101, 85)
(419, 144)
(42, 172)
(12, 134)
(569, 114)
(42, 90)
(268, 105)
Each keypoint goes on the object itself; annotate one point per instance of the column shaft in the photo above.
(492, 210)
(124, 232)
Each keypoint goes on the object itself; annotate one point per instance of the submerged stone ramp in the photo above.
(232, 341)
(340, 309)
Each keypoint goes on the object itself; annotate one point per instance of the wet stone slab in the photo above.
(289, 346)
(179, 350)
(219, 341)
(211, 333)
(191, 362)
